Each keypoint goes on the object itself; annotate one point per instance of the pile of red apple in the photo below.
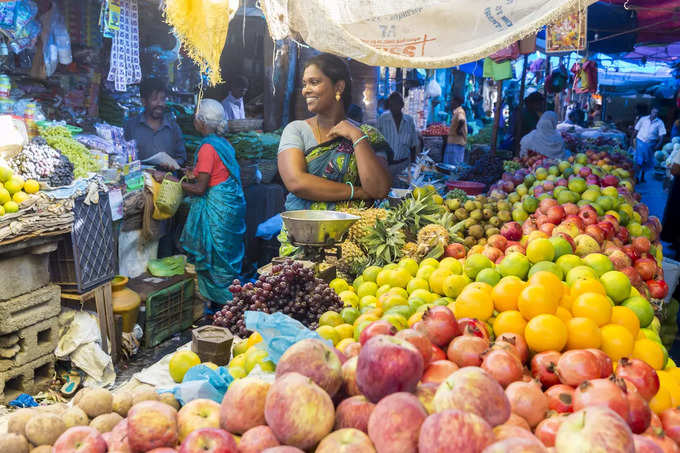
(587, 233)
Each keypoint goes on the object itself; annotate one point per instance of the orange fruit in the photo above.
(481, 286)
(509, 321)
(535, 300)
(617, 341)
(594, 306)
(545, 333)
(583, 334)
(650, 352)
(549, 281)
(567, 299)
(563, 314)
(474, 302)
(627, 318)
(587, 285)
(661, 401)
(506, 292)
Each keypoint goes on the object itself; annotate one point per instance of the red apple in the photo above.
(209, 440)
(622, 234)
(547, 228)
(588, 215)
(492, 253)
(349, 376)
(298, 411)
(80, 439)
(455, 250)
(632, 275)
(631, 251)
(596, 428)
(117, 439)
(646, 267)
(257, 439)
(354, 412)
(575, 219)
(497, 240)
(380, 327)
(546, 204)
(596, 233)
(425, 393)
(396, 433)
(242, 407)
(196, 414)
(556, 214)
(608, 228)
(454, 430)
(570, 209)
(519, 248)
(316, 360)
(658, 289)
(419, 340)
(347, 440)
(151, 424)
(388, 365)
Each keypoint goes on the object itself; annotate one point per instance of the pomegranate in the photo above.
(645, 445)
(605, 362)
(602, 392)
(419, 340)
(439, 325)
(527, 401)
(670, 420)
(518, 343)
(639, 374)
(467, 350)
(379, 327)
(639, 413)
(654, 424)
(547, 429)
(516, 420)
(543, 367)
(646, 267)
(437, 354)
(560, 398)
(502, 366)
(576, 366)
(437, 371)
(473, 327)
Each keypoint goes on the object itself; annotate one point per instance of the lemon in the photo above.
(181, 362)
(13, 186)
(410, 265)
(345, 331)
(429, 262)
(256, 356)
(399, 278)
(238, 361)
(452, 265)
(19, 197)
(367, 289)
(11, 207)
(237, 372)
(254, 339)
(4, 196)
(338, 285)
(370, 274)
(32, 186)
(329, 333)
(330, 318)
(349, 298)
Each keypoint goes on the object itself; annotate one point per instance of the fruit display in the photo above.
(36, 160)
(291, 289)
(59, 137)
(14, 191)
(437, 129)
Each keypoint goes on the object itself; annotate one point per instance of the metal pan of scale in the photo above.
(317, 228)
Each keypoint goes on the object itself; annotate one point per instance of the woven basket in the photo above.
(244, 125)
(268, 168)
(169, 196)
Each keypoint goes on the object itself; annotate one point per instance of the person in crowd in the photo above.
(457, 140)
(670, 231)
(595, 114)
(650, 133)
(400, 132)
(328, 159)
(531, 113)
(675, 130)
(157, 134)
(545, 139)
(234, 108)
(213, 234)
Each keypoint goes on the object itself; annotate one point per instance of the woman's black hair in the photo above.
(335, 69)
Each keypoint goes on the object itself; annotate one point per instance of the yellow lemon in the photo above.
(32, 186)
(180, 362)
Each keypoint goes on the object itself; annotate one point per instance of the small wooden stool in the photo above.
(104, 307)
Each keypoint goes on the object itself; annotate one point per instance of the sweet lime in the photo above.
(370, 274)
(180, 362)
(349, 314)
(330, 318)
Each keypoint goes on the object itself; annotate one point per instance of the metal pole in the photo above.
(497, 117)
(518, 114)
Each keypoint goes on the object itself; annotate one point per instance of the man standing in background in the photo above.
(650, 132)
(400, 132)
(457, 139)
(233, 103)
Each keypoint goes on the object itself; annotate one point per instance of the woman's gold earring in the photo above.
(337, 96)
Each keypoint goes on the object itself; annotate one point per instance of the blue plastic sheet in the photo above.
(279, 332)
(23, 400)
(201, 382)
(269, 228)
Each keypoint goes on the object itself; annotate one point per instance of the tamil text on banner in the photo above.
(413, 33)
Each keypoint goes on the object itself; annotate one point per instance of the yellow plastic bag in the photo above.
(201, 26)
(157, 213)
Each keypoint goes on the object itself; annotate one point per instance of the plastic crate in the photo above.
(168, 312)
(85, 258)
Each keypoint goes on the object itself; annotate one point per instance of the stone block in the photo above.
(34, 341)
(30, 378)
(28, 309)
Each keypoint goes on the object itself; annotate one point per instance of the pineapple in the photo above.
(433, 238)
(361, 227)
(410, 250)
(415, 214)
(352, 259)
(384, 242)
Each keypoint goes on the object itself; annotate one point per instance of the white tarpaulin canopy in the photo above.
(412, 33)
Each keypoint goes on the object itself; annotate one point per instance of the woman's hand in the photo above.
(346, 130)
(158, 175)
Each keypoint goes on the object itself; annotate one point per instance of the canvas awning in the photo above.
(658, 20)
(412, 33)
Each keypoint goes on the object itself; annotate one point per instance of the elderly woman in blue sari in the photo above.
(329, 159)
(213, 234)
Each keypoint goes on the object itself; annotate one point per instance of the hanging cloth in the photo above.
(497, 71)
(124, 64)
(585, 77)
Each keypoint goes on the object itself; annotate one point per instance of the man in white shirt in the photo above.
(650, 132)
(400, 132)
(233, 103)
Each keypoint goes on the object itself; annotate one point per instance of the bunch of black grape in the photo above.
(63, 173)
(290, 289)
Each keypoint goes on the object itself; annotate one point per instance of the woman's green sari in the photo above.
(333, 160)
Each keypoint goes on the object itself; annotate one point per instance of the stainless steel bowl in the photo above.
(317, 228)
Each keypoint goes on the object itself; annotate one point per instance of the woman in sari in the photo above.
(213, 234)
(329, 160)
(545, 139)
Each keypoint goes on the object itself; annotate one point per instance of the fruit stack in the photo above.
(14, 191)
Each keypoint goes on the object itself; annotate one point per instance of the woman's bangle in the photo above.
(351, 186)
(363, 137)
